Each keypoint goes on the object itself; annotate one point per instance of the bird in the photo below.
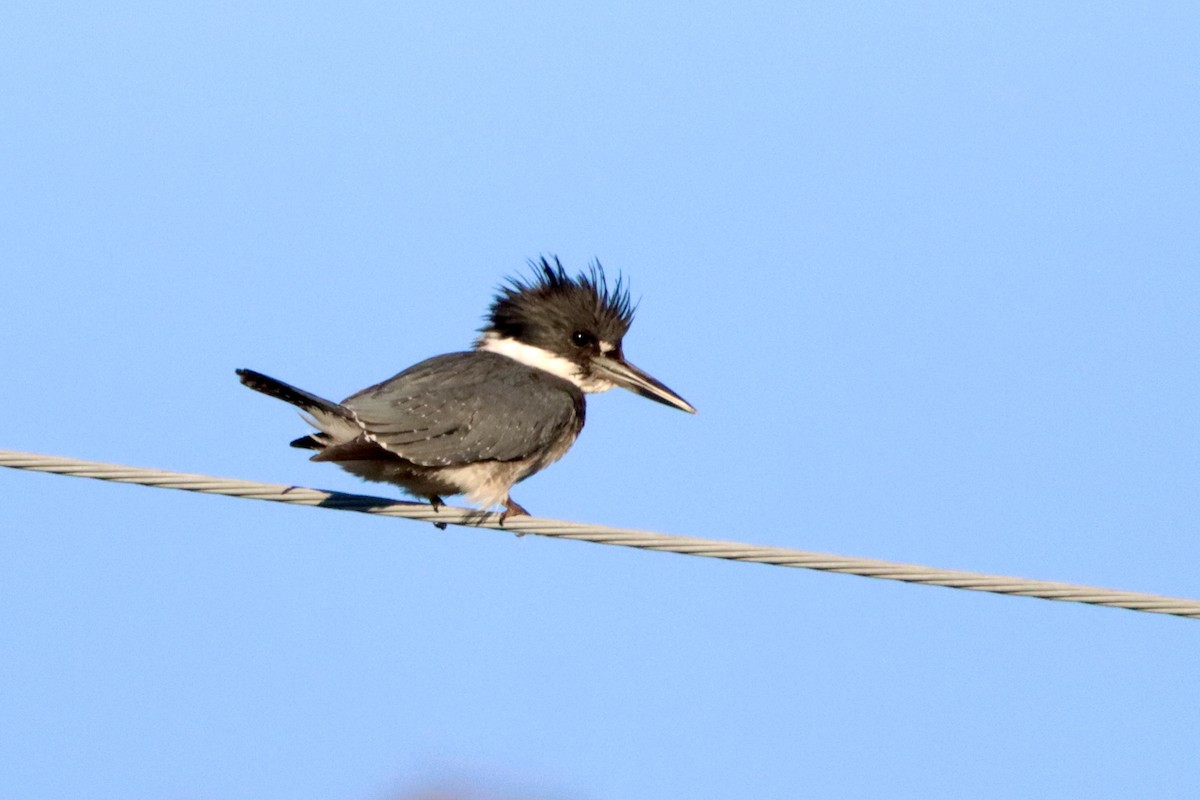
(475, 423)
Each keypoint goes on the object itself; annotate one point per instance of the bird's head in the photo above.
(571, 327)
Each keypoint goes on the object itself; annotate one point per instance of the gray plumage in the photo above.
(431, 413)
(478, 422)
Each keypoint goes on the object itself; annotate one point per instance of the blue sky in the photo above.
(930, 272)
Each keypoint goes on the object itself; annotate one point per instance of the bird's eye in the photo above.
(582, 339)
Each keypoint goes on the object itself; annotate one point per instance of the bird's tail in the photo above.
(335, 421)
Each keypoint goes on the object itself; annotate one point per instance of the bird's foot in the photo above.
(512, 509)
(437, 503)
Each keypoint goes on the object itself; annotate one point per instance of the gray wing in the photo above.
(466, 407)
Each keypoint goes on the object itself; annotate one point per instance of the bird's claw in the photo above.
(437, 503)
(512, 509)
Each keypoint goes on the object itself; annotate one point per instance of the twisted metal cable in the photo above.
(625, 537)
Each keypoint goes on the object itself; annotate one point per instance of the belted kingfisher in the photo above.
(475, 423)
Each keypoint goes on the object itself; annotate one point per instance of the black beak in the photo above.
(627, 376)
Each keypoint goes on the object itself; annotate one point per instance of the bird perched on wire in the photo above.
(476, 423)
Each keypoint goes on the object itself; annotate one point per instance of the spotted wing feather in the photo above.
(467, 407)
